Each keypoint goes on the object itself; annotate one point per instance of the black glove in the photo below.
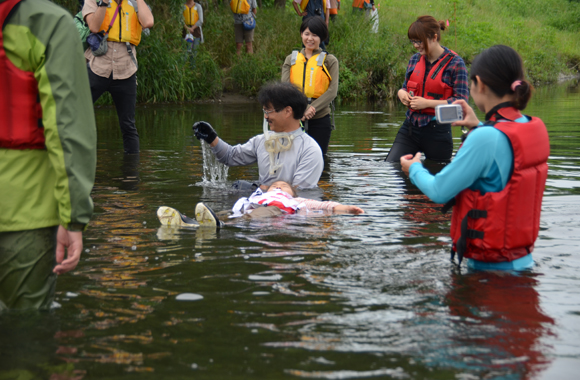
(204, 131)
(242, 185)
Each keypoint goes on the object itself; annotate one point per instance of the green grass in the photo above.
(372, 65)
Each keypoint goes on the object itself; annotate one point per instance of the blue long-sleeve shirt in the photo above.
(483, 163)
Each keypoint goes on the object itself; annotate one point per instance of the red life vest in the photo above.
(430, 86)
(503, 226)
(20, 110)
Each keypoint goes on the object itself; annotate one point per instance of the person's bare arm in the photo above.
(94, 20)
(145, 16)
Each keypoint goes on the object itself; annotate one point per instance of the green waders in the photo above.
(27, 259)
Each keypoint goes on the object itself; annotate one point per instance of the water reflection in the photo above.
(330, 297)
(498, 315)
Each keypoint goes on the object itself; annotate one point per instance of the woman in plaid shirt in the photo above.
(435, 75)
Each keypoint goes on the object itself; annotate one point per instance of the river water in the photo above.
(326, 297)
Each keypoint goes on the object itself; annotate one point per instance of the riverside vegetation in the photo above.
(372, 65)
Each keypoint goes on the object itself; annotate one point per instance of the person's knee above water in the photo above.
(315, 72)
(435, 75)
(283, 152)
(115, 70)
(497, 178)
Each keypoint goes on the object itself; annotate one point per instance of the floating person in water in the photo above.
(279, 199)
(285, 153)
(496, 181)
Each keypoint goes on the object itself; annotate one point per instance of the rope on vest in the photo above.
(274, 144)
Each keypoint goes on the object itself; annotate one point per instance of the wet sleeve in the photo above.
(69, 121)
(239, 155)
(309, 167)
(312, 204)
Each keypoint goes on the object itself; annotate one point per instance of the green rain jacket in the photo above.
(43, 188)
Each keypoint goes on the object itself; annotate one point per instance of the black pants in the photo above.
(124, 93)
(320, 130)
(435, 140)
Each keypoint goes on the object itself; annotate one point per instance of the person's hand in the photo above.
(349, 209)
(73, 242)
(204, 131)
(304, 14)
(418, 103)
(373, 8)
(404, 97)
(309, 113)
(408, 160)
(469, 118)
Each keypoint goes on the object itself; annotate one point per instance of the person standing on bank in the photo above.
(435, 75)
(497, 178)
(193, 20)
(315, 73)
(243, 11)
(312, 8)
(48, 151)
(116, 70)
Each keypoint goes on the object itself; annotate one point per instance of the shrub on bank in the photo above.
(372, 65)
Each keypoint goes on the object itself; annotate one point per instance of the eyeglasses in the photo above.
(266, 112)
(416, 42)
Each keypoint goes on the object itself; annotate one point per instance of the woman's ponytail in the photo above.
(523, 92)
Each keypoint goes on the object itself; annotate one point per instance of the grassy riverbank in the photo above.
(372, 65)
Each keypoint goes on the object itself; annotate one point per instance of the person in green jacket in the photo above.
(44, 192)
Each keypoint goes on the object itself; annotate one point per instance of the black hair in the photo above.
(317, 26)
(499, 67)
(281, 95)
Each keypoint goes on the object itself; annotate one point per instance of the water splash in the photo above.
(214, 172)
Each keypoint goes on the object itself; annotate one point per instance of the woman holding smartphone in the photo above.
(497, 178)
(435, 75)
(315, 73)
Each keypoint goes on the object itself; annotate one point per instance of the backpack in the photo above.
(82, 28)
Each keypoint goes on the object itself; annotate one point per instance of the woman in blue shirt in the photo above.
(489, 165)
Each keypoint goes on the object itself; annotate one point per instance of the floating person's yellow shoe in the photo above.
(206, 217)
(171, 217)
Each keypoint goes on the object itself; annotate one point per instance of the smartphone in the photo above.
(448, 113)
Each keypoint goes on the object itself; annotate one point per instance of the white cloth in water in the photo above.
(258, 198)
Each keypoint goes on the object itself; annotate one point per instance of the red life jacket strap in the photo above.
(442, 64)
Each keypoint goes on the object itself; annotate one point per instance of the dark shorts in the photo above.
(434, 140)
(242, 34)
